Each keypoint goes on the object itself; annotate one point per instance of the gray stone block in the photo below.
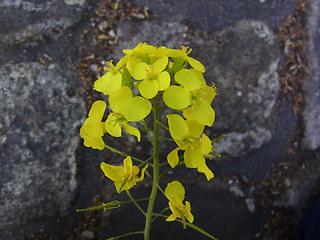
(39, 135)
(311, 113)
(38, 20)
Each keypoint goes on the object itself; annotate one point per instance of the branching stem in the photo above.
(156, 167)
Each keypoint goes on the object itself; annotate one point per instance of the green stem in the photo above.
(148, 132)
(167, 139)
(162, 211)
(135, 203)
(124, 154)
(218, 138)
(190, 225)
(164, 126)
(125, 235)
(156, 167)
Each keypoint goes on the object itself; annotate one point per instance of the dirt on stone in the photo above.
(293, 40)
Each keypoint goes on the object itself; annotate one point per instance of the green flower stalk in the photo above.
(155, 75)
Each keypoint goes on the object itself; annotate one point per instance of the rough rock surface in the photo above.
(312, 86)
(41, 113)
(39, 136)
(46, 174)
(214, 16)
(247, 84)
(38, 20)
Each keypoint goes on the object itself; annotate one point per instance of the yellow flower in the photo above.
(93, 128)
(142, 50)
(124, 177)
(146, 53)
(126, 109)
(112, 80)
(189, 137)
(183, 55)
(175, 193)
(193, 96)
(153, 77)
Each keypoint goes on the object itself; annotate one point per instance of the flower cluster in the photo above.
(143, 74)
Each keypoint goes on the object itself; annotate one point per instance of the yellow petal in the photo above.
(177, 97)
(203, 168)
(127, 164)
(137, 109)
(89, 141)
(108, 83)
(140, 71)
(132, 130)
(163, 80)
(122, 62)
(209, 94)
(142, 173)
(188, 79)
(205, 145)
(178, 127)
(196, 64)
(135, 171)
(174, 53)
(203, 113)
(148, 88)
(171, 218)
(159, 65)
(97, 109)
(119, 99)
(175, 191)
(200, 76)
(192, 157)
(115, 173)
(131, 63)
(189, 215)
(195, 128)
(93, 128)
(112, 126)
(124, 185)
(173, 158)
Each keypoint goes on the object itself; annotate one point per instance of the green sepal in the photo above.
(126, 77)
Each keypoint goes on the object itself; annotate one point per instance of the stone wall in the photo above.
(263, 56)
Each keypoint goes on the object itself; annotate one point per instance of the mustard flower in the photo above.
(146, 53)
(124, 177)
(93, 128)
(183, 54)
(153, 77)
(113, 79)
(142, 50)
(175, 193)
(193, 96)
(189, 136)
(126, 109)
